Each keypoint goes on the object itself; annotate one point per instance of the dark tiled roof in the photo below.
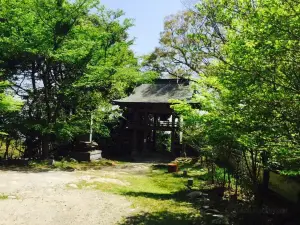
(158, 93)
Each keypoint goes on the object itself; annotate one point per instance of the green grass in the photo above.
(43, 166)
(159, 196)
(3, 197)
(84, 165)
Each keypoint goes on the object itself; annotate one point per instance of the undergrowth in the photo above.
(3, 197)
(159, 196)
(64, 165)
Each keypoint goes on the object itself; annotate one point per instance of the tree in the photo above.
(8, 106)
(188, 45)
(260, 70)
(65, 59)
(250, 89)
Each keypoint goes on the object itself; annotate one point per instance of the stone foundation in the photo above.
(86, 156)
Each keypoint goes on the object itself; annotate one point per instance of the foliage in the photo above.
(259, 69)
(163, 141)
(248, 91)
(3, 197)
(8, 105)
(63, 165)
(66, 60)
(7, 102)
(66, 164)
(186, 46)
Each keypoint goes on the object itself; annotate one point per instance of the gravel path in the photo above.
(44, 199)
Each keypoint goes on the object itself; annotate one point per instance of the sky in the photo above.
(149, 18)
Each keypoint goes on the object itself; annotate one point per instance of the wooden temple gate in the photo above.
(148, 111)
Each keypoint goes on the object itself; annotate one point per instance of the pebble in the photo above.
(196, 194)
(218, 216)
(212, 211)
(11, 197)
(73, 186)
(220, 221)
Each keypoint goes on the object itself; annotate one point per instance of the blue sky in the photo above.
(149, 17)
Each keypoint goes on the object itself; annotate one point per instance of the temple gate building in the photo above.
(148, 111)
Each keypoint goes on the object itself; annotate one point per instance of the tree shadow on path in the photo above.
(162, 218)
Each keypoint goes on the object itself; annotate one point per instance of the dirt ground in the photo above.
(46, 198)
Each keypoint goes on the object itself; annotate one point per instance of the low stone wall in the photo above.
(284, 186)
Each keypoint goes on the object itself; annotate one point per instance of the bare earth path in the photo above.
(44, 198)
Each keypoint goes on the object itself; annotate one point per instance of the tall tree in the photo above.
(188, 44)
(260, 68)
(249, 90)
(64, 59)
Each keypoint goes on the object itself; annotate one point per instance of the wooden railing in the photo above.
(166, 124)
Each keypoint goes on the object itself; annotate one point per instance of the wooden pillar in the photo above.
(134, 141)
(146, 122)
(180, 123)
(145, 141)
(134, 135)
(173, 134)
(154, 132)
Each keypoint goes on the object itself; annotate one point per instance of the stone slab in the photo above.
(86, 156)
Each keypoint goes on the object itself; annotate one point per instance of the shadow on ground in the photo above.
(179, 196)
(274, 211)
(152, 158)
(162, 218)
(237, 212)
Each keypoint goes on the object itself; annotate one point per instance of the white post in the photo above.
(180, 124)
(91, 128)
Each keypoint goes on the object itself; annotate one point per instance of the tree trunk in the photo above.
(258, 193)
(266, 174)
(45, 147)
(236, 185)
(224, 178)
(229, 182)
(265, 184)
(7, 144)
(212, 173)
